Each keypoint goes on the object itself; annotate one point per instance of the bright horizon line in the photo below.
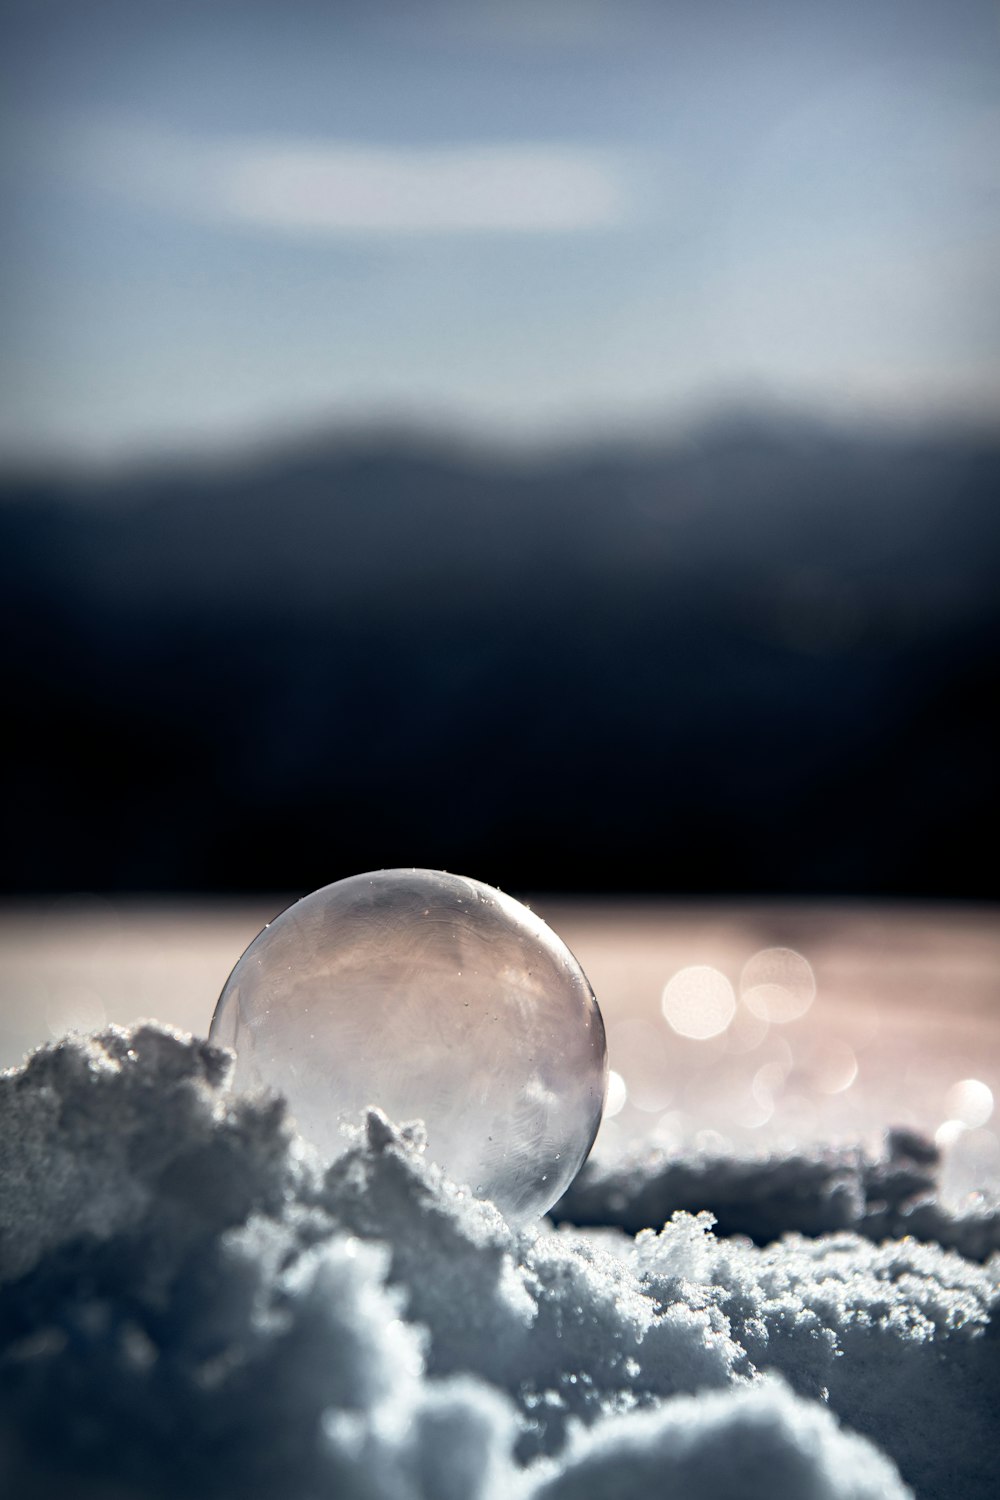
(668, 423)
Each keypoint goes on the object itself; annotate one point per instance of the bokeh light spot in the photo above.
(746, 1032)
(778, 985)
(970, 1101)
(947, 1134)
(617, 1095)
(835, 1069)
(641, 1052)
(698, 1002)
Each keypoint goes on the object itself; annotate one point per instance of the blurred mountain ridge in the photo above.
(760, 656)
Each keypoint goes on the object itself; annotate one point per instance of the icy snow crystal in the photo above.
(190, 1305)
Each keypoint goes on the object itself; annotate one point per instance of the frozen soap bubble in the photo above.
(435, 998)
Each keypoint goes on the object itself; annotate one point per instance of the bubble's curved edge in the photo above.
(512, 907)
(597, 1019)
(522, 910)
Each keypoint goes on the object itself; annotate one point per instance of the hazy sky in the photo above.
(227, 218)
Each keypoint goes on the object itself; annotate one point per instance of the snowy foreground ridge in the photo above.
(190, 1307)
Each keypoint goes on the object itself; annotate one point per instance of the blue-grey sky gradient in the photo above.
(230, 220)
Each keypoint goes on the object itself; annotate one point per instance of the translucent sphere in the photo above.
(436, 998)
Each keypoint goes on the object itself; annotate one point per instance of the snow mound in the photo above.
(813, 1192)
(190, 1305)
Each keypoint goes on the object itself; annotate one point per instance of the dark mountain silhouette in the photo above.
(761, 658)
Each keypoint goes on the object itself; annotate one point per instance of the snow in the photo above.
(814, 1191)
(191, 1305)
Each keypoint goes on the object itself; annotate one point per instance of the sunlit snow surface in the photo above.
(191, 1305)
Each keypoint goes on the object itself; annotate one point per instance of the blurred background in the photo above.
(558, 441)
(554, 441)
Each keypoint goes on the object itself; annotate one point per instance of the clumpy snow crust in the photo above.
(191, 1306)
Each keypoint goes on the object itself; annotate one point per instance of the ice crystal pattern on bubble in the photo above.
(435, 998)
